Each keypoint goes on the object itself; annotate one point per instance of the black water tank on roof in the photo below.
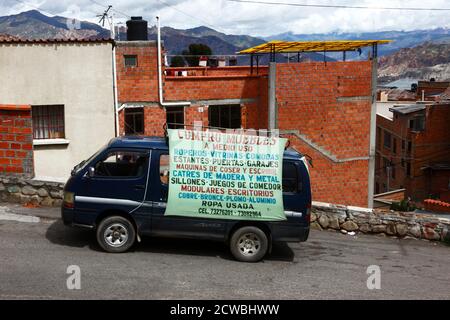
(137, 29)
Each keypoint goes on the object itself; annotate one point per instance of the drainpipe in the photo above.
(160, 89)
(116, 100)
(373, 128)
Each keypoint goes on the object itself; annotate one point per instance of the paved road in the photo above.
(34, 257)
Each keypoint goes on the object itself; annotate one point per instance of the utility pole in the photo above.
(110, 18)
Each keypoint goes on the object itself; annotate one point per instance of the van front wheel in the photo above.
(249, 244)
(116, 234)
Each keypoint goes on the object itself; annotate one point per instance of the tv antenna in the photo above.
(109, 17)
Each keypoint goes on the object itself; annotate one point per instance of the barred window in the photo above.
(175, 117)
(387, 140)
(48, 122)
(225, 116)
(134, 121)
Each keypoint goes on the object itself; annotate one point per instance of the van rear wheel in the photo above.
(249, 244)
(116, 234)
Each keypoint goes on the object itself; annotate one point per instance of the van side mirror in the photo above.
(309, 159)
(91, 172)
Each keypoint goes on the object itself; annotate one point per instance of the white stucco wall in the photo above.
(76, 75)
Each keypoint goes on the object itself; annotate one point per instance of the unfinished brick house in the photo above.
(326, 109)
(413, 150)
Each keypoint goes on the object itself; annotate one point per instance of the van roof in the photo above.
(160, 143)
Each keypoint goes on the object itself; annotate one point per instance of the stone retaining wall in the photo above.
(323, 215)
(32, 192)
(373, 221)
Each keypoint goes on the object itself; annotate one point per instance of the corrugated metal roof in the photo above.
(409, 108)
(311, 46)
(14, 40)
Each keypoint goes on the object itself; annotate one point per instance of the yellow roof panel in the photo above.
(311, 46)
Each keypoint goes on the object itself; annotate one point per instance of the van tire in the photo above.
(116, 234)
(249, 244)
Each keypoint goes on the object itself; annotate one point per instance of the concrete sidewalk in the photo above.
(50, 213)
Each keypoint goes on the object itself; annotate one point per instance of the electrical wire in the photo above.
(112, 9)
(191, 16)
(34, 7)
(338, 6)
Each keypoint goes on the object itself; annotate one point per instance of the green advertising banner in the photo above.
(225, 176)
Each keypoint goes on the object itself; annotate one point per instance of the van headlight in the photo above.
(69, 199)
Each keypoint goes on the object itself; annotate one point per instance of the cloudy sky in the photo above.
(254, 19)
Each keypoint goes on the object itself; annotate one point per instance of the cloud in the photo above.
(254, 19)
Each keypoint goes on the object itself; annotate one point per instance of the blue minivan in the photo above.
(121, 193)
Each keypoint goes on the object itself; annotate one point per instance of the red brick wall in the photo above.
(209, 88)
(137, 83)
(193, 114)
(341, 183)
(330, 104)
(16, 140)
(428, 147)
(431, 146)
(140, 84)
(398, 130)
(217, 71)
(154, 120)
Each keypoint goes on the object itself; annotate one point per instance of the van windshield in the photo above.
(84, 163)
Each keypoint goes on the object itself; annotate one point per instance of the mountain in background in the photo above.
(34, 25)
(426, 61)
(177, 40)
(401, 39)
(415, 58)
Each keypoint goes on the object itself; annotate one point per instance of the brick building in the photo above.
(326, 109)
(413, 150)
(431, 90)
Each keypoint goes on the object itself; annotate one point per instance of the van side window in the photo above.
(164, 168)
(290, 177)
(121, 164)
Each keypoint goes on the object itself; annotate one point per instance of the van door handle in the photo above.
(139, 187)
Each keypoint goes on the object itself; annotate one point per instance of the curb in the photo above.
(50, 213)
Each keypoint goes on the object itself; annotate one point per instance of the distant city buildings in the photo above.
(413, 143)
